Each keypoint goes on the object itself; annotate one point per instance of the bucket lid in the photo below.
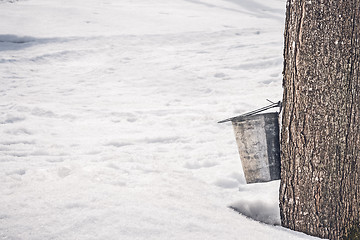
(243, 116)
(255, 117)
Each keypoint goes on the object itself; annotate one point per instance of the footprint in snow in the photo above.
(12, 119)
(17, 172)
(19, 131)
(198, 165)
(227, 183)
(63, 172)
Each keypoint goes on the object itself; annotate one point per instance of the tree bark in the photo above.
(320, 137)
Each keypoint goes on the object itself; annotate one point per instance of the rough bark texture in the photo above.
(320, 139)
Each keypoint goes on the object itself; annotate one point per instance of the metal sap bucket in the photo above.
(257, 138)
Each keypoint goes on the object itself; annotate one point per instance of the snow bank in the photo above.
(259, 202)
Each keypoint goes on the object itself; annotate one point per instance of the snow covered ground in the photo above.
(108, 118)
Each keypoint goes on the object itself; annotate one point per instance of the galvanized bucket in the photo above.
(257, 138)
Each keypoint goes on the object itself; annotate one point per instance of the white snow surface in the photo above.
(108, 118)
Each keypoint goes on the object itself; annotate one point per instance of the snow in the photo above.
(259, 201)
(108, 118)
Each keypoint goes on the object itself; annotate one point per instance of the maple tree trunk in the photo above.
(320, 137)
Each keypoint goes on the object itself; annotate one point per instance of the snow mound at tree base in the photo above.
(260, 202)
